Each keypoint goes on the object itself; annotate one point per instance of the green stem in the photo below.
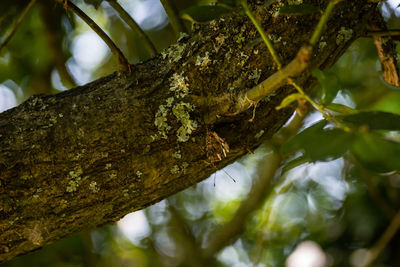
(173, 17)
(318, 30)
(319, 107)
(19, 21)
(264, 36)
(123, 62)
(135, 27)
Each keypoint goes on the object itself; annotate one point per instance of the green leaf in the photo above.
(293, 163)
(329, 84)
(377, 153)
(342, 109)
(203, 14)
(289, 100)
(300, 9)
(317, 143)
(374, 120)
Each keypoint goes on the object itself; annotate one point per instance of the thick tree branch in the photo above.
(86, 157)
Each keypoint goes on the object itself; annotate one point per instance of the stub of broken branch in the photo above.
(386, 52)
(276, 80)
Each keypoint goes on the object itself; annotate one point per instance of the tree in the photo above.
(88, 156)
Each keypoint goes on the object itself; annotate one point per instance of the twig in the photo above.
(280, 78)
(19, 21)
(324, 18)
(135, 27)
(52, 35)
(384, 33)
(264, 36)
(173, 17)
(123, 62)
(374, 252)
(294, 68)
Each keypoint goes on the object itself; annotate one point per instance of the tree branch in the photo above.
(90, 155)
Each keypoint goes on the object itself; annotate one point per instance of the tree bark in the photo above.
(88, 156)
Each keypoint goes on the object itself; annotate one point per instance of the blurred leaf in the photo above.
(300, 9)
(289, 100)
(224, 211)
(203, 14)
(95, 3)
(374, 120)
(318, 143)
(342, 109)
(329, 84)
(293, 163)
(377, 153)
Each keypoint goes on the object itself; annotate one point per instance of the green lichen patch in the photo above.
(343, 35)
(255, 75)
(177, 154)
(93, 187)
(73, 185)
(160, 121)
(178, 84)
(181, 112)
(180, 88)
(174, 53)
(203, 61)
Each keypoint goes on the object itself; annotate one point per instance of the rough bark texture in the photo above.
(88, 156)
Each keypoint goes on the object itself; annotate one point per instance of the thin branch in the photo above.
(174, 19)
(318, 30)
(276, 80)
(383, 241)
(383, 33)
(19, 21)
(135, 27)
(123, 62)
(264, 36)
(54, 40)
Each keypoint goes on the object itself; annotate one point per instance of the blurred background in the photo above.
(316, 214)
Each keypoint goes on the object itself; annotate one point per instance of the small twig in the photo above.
(135, 27)
(123, 62)
(264, 36)
(52, 35)
(324, 18)
(383, 33)
(176, 22)
(278, 79)
(319, 107)
(374, 252)
(19, 21)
